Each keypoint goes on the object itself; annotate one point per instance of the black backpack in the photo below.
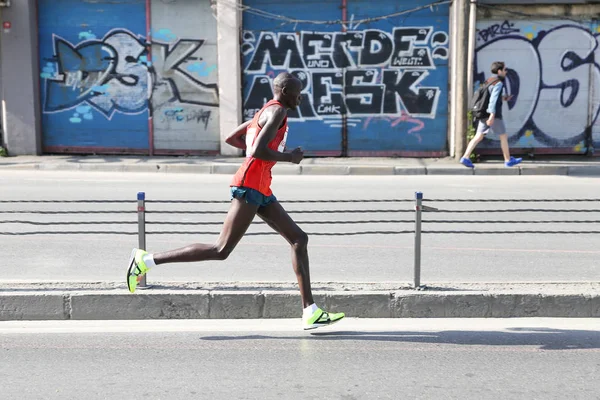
(481, 99)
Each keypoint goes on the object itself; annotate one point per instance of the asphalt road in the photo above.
(355, 359)
(449, 257)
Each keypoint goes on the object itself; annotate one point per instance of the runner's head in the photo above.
(288, 90)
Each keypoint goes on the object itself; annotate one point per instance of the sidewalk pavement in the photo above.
(112, 301)
(574, 165)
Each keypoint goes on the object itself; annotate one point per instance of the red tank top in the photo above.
(255, 173)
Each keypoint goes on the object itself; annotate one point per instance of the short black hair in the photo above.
(497, 66)
(284, 79)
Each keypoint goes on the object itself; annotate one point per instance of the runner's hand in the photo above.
(297, 155)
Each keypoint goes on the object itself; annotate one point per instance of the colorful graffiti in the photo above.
(178, 71)
(185, 96)
(359, 74)
(554, 76)
(109, 75)
(113, 74)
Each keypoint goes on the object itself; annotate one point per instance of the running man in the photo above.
(494, 121)
(264, 142)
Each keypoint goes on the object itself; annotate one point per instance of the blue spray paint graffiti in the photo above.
(201, 68)
(113, 75)
(86, 35)
(82, 111)
(107, 74)
(164, 35)
(48, 71)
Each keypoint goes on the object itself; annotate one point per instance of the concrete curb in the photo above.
(315, 169)
(240, 304)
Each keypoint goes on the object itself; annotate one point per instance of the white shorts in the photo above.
(497, 127)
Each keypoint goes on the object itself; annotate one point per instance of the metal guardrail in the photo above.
(419, 221)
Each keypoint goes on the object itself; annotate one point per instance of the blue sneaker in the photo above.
(513, 161)
(466, 162)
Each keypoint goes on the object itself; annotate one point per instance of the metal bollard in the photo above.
(418, 211)
(141, 208)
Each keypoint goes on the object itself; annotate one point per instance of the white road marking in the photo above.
(514, 325)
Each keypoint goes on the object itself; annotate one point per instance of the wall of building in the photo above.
(553, 56)
(102, 79)
(185, 96)
(94, 76)
(370, 88)
(20, 94)
(229, 17)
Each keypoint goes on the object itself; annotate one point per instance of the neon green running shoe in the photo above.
(136, 270)
(321, 318)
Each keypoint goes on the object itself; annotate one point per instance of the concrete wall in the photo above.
(2, 138)
(230, 77)
(185, 99)
(20, 86)
(554, 75)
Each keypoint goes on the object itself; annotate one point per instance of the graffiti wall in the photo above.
(99, 83)
(554, 76)
(94, 77)
(185, 98)
(376, 88)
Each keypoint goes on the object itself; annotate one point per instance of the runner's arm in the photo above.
(267, 134)
(236, 138)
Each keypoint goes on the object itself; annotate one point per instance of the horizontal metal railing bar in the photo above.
(108, 201)
(353, 222)
(309, 233)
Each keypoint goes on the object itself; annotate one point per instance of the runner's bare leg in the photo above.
(236, 224)
(281, 222)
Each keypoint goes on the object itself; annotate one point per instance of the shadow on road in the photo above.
(543, 338)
